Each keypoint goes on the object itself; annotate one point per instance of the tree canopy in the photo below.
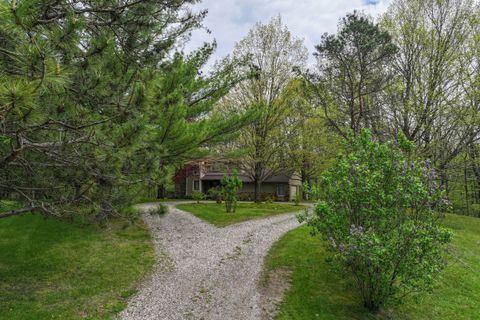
(96, 101)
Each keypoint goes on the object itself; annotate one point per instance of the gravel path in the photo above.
(210, 273)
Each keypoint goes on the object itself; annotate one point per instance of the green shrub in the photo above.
(475, 209)
(230, 186)
(378, 211)
(159, 210)
(269, 199)
(198, 196)
(312, 191)
(216, 194)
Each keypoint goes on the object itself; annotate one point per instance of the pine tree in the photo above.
(93, 107)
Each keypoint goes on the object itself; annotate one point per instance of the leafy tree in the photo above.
(271, 53)
(312, 145)
(378, 210)
(95, 104)
(435, 100)
(230, 186)
(353, 72)
(437, 64)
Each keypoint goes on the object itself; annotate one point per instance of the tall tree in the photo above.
(271, 54)
(435, 102)
(352, 75)
(93, 107)
(313, 146)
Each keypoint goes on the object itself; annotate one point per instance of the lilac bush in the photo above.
(379, 210)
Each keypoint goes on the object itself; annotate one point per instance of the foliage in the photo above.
(298, 198)
(56, 269)
(435, 100)
(377, 210)
(215, 213)
(230, 186)
(158, 210)
(96, 103)
(198, 196)
(216, 193)
(269, 199)
(353, 73)
(271, 53)
(311, 146)
(315, 292)
(437, 81)
(312, 191)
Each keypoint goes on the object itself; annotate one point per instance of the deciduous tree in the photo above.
(271, 54)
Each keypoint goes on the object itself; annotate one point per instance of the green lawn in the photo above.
(52, 269)
(317, 292)
(214, 213)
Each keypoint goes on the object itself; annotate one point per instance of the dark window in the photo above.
(196, 185)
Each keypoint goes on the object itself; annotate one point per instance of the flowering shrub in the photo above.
(378, 209)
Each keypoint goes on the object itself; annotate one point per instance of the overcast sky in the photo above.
(230, 20)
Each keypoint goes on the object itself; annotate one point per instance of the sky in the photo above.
(230, 20)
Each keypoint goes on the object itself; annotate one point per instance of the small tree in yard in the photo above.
(230, 186)
(379, 209)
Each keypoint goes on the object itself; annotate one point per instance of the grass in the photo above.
(53, 269)
(215, 214)
(317, 292)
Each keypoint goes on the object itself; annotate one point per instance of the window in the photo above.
(196, 185)
(280, 190)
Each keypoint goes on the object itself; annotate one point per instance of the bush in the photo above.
(159, 210)
(198, 196)
(269, 199)
(216, 194)
(475, 208)
(230, 186)
(377, 209)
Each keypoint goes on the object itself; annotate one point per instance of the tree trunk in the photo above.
(257, 179)
(258, 185)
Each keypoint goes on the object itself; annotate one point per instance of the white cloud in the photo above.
(230, 20)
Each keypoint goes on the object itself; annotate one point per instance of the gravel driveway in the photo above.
(206, 272)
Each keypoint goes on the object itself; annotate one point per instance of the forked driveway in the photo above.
(210, 273)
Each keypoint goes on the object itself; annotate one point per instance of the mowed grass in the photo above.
(53, 269)
(317, 292)
(215, 214)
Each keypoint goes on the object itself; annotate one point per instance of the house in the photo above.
(203, 175)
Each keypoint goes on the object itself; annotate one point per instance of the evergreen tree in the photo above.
(93, 107)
